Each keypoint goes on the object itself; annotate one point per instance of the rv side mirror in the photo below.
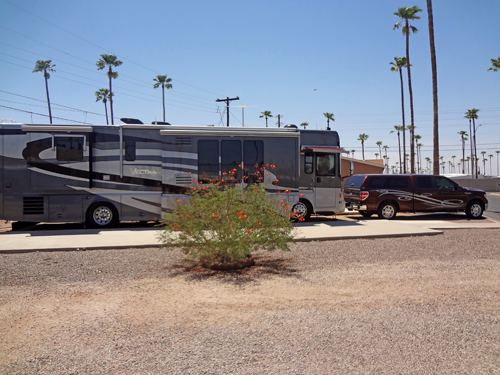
(351, 170)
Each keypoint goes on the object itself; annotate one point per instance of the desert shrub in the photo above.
(221, 225)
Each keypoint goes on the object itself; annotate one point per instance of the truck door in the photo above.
(437, 193)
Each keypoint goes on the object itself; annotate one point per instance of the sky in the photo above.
(294, 58)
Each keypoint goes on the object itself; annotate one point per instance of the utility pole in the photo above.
(227, 100)
(279, 120)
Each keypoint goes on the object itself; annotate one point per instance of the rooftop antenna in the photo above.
(243, 106)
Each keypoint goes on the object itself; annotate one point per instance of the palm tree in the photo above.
(490, 156)
(45, 66)
(352, 153)
(111, 62)
(379, 144)
(376, 155)
(385, 149)
(103, 94)
(471, 115)
(463, 136)
(304, 124)
(329, 117)
(484, 162)
(428, 160)
(453, 158)
(363, 137)
(407, 14)
(266, 114)
(398, 128)
(430, 19)
(496, 65)
(469, 169)
(164, 82)
(419, 156)
(397, 66)
(417, 138)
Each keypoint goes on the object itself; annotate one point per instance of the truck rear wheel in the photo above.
(387, 211)
(102, 215)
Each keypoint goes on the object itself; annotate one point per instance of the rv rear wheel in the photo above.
(302, 211)
(102, 215)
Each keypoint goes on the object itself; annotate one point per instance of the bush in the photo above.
(222, 225)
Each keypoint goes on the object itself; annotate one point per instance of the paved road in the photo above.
(493, 206)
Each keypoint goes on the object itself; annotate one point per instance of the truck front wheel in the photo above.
(474, 210)
(301, 211)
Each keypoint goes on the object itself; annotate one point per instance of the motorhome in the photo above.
(103, 174)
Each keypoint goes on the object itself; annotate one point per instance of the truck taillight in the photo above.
(363, 195)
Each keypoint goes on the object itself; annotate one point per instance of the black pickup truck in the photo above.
(386, 195)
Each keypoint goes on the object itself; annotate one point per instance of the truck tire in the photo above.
(474, 210)
(102, 215)
(302, 209)
(387, 210)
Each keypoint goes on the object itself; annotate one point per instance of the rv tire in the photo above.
(102, 215)
(302, 209)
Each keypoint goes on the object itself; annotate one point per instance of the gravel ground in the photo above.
(420, 305)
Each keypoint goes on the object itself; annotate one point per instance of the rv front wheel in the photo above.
(302, 211)
(102, 215)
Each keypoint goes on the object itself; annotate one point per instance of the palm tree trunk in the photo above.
(363, 149)
(48, 99)
(106, 110)
(463, 154)
(110, 75)
(399, 147)
(471, 148)
(163, 98)
(403, 114)
(435, 152)
(475, 146)
(412, 129)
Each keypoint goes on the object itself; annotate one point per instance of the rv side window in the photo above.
(253, 160)
(69, 148)
(231, 161)
(308, 163)
(130, 151)
(208, 161)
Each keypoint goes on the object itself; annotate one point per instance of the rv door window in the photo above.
(69, 148)
(308, 163)
(208, 161)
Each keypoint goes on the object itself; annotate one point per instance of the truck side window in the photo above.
(208, 161)
(424, 182)
(69, 148)
(325, 165)
(445, 184)
(376, 182)
(396, 183)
